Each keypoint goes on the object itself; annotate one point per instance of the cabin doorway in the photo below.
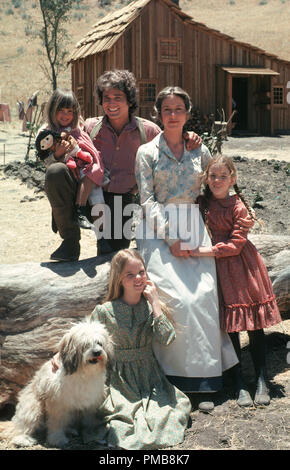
(240, 103)
(248, 90)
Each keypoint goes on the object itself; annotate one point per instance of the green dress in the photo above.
(142, 409)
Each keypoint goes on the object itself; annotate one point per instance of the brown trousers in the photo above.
(61, 190)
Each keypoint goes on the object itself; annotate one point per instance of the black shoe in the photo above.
(82, 218)
(244, 398)
(69, 250)
(103, 247)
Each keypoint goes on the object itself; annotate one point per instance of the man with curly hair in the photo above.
(117, 135)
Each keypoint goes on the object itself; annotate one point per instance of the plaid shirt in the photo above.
(118, 152)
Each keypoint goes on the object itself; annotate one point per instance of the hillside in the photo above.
(262, 23)
(266, 26)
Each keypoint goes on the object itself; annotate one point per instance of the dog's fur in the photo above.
(54, 400)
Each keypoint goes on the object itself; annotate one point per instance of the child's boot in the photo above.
(258, 353)
(103, 247)
(82, 218)
(243, 397)
(262, 396)
(69, 250)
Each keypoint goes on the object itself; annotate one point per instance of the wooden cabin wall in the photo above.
(198, 73)
(281, 115)
(142, 54)
(85, 73)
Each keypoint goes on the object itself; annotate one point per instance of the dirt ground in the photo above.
(263, 165)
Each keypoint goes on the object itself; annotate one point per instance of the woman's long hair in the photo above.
(165, 93)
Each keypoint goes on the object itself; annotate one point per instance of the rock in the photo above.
(239, 158)
(28, 199)
(32, 173)
(259, 204)
(275, 250)
(38, 302)
(281, 290)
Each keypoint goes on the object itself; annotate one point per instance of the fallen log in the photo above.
(275, 250)
(38, 302)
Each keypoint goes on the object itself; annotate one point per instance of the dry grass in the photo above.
(267, 26)
(20, 55)
(262, 23)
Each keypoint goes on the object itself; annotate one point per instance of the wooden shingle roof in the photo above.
(108, 30)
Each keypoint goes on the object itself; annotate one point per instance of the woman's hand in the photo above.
(192, 139)
(150, 293)
(176, 250)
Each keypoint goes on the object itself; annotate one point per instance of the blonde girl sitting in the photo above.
(142, 410)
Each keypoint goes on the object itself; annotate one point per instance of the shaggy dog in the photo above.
(54, 400)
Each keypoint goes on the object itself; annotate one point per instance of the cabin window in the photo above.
(147, 92)
(278, 95)
(169, 50)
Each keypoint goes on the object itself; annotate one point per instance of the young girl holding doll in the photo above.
(142, 409)
(63, 115)
(247, 301)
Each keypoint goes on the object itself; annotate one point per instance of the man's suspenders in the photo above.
(143, 138)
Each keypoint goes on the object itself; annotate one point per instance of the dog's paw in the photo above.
(57, 439)
(23, 440)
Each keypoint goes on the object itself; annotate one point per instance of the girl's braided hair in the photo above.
(207, 194)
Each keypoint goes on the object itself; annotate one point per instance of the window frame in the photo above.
(279, 105)
(145, 82)
(171, 60)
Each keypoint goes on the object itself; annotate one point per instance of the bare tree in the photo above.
(55, 13)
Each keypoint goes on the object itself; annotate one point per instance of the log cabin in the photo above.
(162, 45)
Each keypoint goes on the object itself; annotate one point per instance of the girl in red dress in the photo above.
(247, 301)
